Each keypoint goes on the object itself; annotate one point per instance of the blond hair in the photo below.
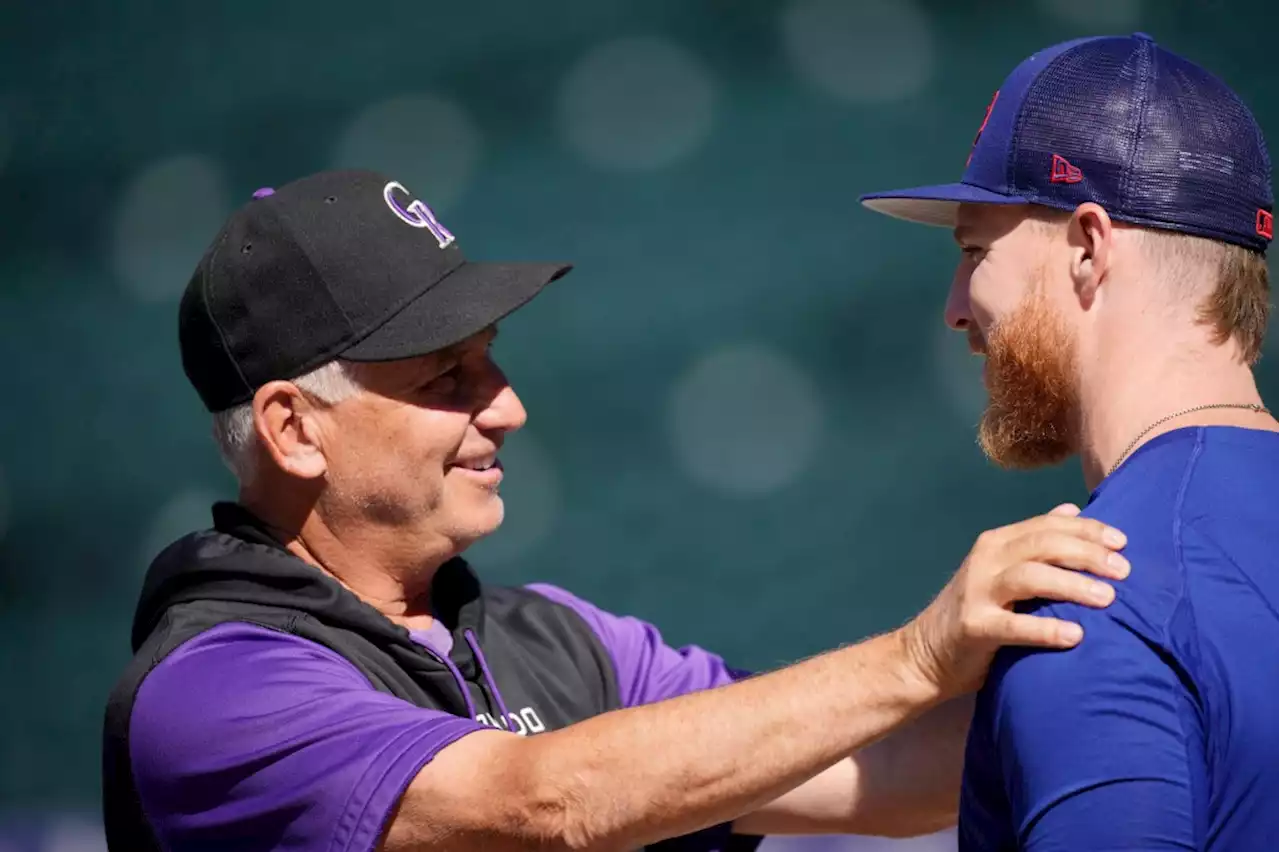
(1237, 304)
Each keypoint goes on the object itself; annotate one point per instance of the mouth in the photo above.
(484, 470)
(977, 342)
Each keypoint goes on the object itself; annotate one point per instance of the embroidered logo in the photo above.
(982, 127)
(415, 213)
(1064, 172)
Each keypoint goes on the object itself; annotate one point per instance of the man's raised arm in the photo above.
(632, 777)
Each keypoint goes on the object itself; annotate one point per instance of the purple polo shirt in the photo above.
(244, 737)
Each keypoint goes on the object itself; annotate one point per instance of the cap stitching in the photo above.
(222, 338)
(1144, 87)
(302, 243)
(1261, 139)
(321, 358)
(403, 304)
(1021, 118)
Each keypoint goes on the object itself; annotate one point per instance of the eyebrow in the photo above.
(961, 234)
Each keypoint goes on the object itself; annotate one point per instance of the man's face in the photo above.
(416, 449)
(1011, 297)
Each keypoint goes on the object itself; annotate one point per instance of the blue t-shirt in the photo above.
(1159, 731)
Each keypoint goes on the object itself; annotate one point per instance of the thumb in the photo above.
(1066, 510)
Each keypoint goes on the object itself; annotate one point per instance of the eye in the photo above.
(446, 382)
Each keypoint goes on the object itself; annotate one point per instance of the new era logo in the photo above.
(1064, 172)
(1265, 224)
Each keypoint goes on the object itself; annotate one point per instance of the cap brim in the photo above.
(464, 302)
(933, 205)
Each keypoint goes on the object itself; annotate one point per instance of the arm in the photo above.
(307, 749)
(635, 776)
(1089, 748)
(639, 775)
(905, 785)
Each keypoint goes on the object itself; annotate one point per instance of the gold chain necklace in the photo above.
(1251, 406)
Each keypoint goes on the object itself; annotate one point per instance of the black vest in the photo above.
(548, 663)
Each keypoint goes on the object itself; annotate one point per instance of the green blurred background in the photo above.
(748, 423)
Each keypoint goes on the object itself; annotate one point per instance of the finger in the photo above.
(1032, 580)
(1087, 528)
(1068, 551)
(1035, 631)
(1066, 510)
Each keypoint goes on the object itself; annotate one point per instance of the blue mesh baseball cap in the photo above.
(1152, 137)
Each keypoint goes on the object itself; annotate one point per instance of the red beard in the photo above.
(1031, 418)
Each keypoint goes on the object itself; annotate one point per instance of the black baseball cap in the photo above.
(338, 264)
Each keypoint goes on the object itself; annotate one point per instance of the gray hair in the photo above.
(233, 430)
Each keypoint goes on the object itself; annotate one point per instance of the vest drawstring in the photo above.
(459, 680)
(488, 678)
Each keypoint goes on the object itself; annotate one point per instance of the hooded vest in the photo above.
(545, 654)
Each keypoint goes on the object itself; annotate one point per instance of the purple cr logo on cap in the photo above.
(416, 213)
(264, 192)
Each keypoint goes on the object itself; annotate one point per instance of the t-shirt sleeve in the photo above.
(1091, 744)
(647, 669)
(248, 738)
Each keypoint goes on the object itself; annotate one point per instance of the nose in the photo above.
(503, 413)
(958, 313)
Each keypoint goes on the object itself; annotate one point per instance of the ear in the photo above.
(288, 427)
(1089, 233)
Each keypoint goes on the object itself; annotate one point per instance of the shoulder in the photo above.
(601, 622)
(1129, 638)
(1145, 502)
(1050, 724)
(543, 613)
(185, 695)
(234, 649)
(547, 607)
(646, 667)
(244, 733)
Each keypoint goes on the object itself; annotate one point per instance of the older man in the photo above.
(1114, 220)
(321, 669)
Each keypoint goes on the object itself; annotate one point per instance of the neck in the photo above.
(1135, 387)
(374, 562)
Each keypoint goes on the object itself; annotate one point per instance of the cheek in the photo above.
(983, 296)
(430, 438)
(996, 290)
(403, 443)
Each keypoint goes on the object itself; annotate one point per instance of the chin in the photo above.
(476, 524)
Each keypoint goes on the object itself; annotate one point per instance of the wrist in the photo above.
(911, 667)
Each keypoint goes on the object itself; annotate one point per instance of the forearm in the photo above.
(631, 777)
(909, 782)
(904, 785)
(625, 779)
